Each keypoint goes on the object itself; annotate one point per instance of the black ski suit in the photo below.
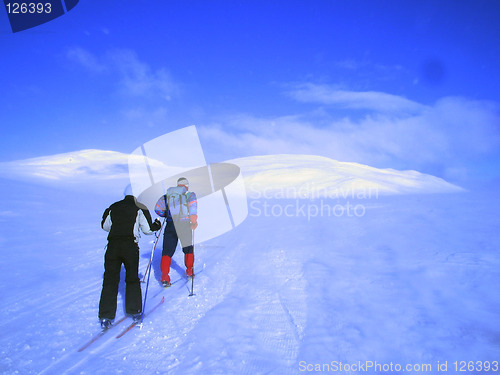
(123, 220)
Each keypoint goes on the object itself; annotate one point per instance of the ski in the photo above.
(132, 325)
(102, 333)
(163, 288)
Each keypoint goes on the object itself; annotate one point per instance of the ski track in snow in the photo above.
(409, 283)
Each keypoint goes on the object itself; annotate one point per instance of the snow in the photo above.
(410, 281)
(310, 176)
(101, 170)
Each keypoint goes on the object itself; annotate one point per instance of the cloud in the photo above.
(134, 77)
(443, 139)
(368, 100)
(86, 60)
(138, 78)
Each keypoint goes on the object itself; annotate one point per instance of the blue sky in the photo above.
(391, 84)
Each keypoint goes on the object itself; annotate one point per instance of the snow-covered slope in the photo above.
(289, 176)
(310, 176)
(78, 170)
(410, 282)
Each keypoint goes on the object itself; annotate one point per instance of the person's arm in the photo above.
(146, 223)
(106, 220)
(193, 210)
(161, 207)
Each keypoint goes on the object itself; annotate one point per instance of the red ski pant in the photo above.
(171, 236)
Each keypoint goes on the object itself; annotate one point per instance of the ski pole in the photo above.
(153, 251)
(145, 299)
(149, 275)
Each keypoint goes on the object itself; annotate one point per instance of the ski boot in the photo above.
(166, 284)
(137, 317)
(106, 323)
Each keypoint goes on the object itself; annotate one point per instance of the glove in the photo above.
(194, 221)
(155, 226)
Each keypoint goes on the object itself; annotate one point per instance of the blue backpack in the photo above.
(177, 202)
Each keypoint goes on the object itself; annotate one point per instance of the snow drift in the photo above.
(290, 176)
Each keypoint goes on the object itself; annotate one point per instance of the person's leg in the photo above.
(186, 236)
(112, 268)
(170, 240)
(133, 295)
(189, 263)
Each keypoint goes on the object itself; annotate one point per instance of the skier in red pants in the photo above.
(179, 207)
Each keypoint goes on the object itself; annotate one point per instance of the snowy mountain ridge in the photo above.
(278, 176)
(311, 176)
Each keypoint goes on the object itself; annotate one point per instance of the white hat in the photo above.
(183, 181)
